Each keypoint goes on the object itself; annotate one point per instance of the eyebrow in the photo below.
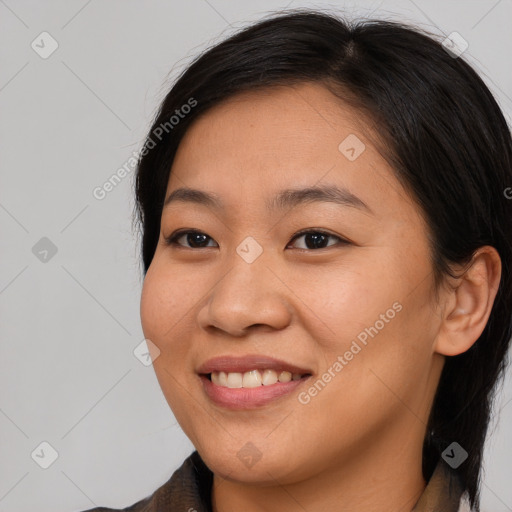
(287, 198)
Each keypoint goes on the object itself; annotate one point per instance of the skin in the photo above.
(356, 446)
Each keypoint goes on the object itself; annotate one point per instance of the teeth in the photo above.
(223, 379)
(269, 377)
(285, 377)
(252, 378)
(234, 380)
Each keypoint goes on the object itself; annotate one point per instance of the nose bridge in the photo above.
(247, 293)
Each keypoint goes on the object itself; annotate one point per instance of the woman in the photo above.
(327, 242)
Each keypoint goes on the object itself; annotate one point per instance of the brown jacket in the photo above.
(189, 490)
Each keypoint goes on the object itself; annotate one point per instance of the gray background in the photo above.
(69, 325)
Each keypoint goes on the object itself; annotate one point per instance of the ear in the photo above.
(468, 304)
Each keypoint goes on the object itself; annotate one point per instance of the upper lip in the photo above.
(243, 364)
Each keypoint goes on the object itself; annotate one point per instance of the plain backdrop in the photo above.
(70, 277)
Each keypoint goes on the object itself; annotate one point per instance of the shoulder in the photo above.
(189, 488)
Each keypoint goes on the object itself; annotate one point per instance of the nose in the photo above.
(246, 296)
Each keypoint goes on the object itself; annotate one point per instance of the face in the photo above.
(339, 288)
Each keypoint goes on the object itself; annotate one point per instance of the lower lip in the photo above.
(248, 398)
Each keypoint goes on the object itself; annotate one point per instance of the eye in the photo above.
(315, 239)
(195, 238)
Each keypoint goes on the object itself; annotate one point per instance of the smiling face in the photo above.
(350, 302)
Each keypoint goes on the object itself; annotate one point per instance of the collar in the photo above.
(444, 491)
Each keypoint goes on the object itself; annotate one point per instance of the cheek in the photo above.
(376, 315)
(387, 358)
(152, 303)
(340, 302)
(164, 302)
(163, 308)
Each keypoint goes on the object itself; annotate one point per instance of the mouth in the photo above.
(250, 381)
(227, 390)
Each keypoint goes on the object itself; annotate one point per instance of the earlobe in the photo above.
(470, 303)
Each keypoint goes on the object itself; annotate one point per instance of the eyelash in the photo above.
(172, 239)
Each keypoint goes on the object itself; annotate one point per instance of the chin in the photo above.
(252, 466)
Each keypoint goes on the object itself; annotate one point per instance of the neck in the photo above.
(388, 477)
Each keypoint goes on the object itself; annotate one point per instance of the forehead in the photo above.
(260, 142)
(301, 120)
